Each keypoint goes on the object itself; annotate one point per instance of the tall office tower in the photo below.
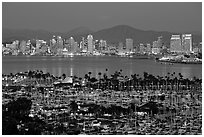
(187, 42)
(142, 48)
(23, 46)
(149, 48)
(38, 44)
(66, 43)
(129, 45)
(103, 45)
(60, 42)
(121, 48)
(175, 44)
(160, 42)
(76, 46)
(200, 47)
(155, 47)
(82, 44)
(90, 43)
(97, 45)
(71, 43)
(53, 41)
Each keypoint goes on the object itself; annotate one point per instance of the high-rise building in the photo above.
(129, 45)
(59, 40)
(97, 45)
(53, 41)
(143, 48)
(175, 44)
(149, 48)
(187, 42)
(155, 47)
(82, 44)
(90, 43)
(23, 46)
(71, 45)
(103, 45)
(39, 43)
(160, 42)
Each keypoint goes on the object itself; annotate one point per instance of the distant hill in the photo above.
(121, 32)
(114, 34)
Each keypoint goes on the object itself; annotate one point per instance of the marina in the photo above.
(157, 108)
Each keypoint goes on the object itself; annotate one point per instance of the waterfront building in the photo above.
(175, 43)
(120, 48)
(60, 42)
(200, 47)
(72, 45)
(90, 43)
(155, 47)
(160, 42)
(97, 45)
(82, 44)
(143, 48)
(13, 45)
(111, 49)
(197, 47)
(53, 41)
(85, 45)
(23, 46)
(103, 45)
(187, 42)
(44, 48)
(155, 50)
(39, 43)
(129, 45)
(76, 47)
(149, 48)
(66, 43)
(53, 45)
(41, 46)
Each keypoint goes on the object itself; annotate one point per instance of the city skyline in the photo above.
(159, 16)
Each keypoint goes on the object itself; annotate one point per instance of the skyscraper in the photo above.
(23, 46)
(90, 43)
(60, 42)
(71, 45)
(142, 48)
(160, 42)
(149, 48)
(187, 42)
(103, 45)
(82, 44)
(175, 43)
(129, 45)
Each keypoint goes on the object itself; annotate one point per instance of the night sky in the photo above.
(62, 17)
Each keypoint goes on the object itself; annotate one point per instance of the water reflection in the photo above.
(186, 71)
(71, 71)
(80, 66)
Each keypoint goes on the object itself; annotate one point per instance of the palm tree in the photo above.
(80, 80)
(63, 76)
(180, 79)
(99, 74)
(90, 74)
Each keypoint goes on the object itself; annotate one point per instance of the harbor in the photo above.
(70, 106)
